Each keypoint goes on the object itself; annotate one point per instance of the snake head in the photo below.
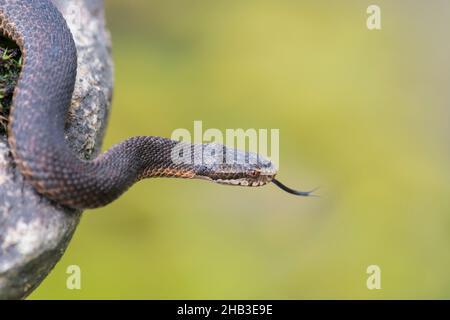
(237, 168)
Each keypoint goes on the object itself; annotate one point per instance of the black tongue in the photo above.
(292, 191)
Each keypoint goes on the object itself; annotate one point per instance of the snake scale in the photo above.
(38, 114)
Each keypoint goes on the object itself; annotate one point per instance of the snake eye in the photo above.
(254, 173)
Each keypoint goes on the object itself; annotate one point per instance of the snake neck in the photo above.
(147, 157)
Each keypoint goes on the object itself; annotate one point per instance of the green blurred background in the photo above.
(363, 114)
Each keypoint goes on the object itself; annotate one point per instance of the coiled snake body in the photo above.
(37, 119)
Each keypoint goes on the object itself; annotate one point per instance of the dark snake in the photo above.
(38, 114)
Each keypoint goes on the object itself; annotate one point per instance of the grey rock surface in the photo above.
(35, 232)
